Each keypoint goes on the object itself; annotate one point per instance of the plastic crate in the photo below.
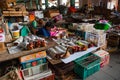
(87, 65)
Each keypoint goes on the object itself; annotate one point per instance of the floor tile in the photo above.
(113, 73)
(102, 76)
(91, 78)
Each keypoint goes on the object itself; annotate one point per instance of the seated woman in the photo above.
(45, 30)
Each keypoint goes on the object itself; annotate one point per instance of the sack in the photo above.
(12, 75)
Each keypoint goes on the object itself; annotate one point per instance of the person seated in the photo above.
(84, 9)
(45, 30)
(33, 27)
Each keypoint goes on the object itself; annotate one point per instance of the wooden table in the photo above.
(4, 56)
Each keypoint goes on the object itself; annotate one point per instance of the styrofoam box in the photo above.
(98, 39)
(34, 70)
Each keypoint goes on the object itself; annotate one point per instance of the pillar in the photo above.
(72, 2)
(46, 3)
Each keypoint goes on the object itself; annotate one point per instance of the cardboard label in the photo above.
(39, 14)
(41, 54)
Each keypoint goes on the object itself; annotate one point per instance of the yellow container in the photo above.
(16, 34)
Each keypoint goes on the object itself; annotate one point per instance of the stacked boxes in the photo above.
(33, 59)
(35, 67)
(41, 54)
(34, 70)
(34, 62)
(87, 65)
(104, 56)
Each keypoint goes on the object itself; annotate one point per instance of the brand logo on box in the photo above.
(2, 38)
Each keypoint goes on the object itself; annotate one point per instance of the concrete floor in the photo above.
(109, 72)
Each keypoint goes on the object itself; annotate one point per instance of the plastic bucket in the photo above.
(16, 34)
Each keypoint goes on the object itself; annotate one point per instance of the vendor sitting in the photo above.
(45, 31)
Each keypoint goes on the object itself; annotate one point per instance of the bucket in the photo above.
(15, 33)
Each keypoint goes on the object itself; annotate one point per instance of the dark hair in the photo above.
(49, 24)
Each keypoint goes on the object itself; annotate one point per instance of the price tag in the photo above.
(39, 14)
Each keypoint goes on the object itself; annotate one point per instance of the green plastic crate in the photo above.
(87, 65)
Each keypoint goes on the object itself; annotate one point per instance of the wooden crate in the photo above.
(6, 13)
(6, 3)
(24, 13)
(15, 13)
(62, 71)
(113, 40)
(51, 13)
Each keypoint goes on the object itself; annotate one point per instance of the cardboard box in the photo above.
(104, 56)
(41, 54)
